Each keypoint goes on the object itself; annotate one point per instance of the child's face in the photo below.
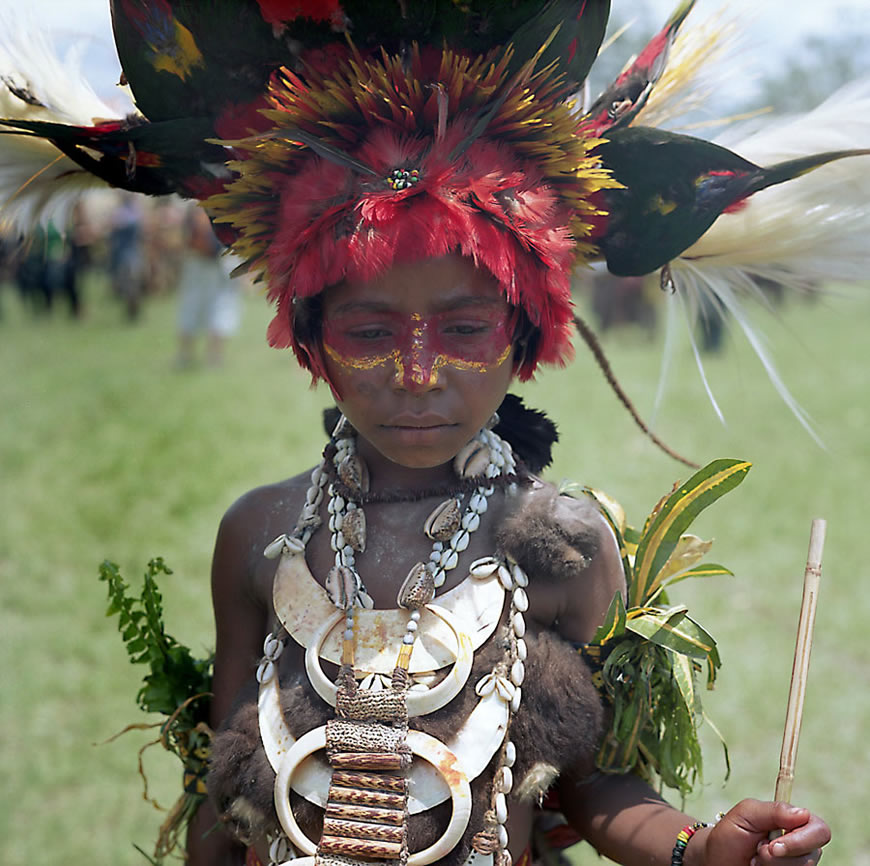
(420, 357)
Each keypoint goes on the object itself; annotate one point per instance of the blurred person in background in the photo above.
(208, 301)
(126, 255)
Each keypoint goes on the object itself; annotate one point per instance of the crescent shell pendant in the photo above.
(474, 744)
(418, 703)
(302, 605)
(422, 745)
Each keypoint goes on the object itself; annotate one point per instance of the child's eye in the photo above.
(466, 329)
(369, 334)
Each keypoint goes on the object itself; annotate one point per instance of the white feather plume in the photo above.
(37, 182)
(802, 234)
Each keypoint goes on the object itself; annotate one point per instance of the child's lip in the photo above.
(419, 422)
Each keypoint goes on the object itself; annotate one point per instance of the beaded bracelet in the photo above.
(683, 839)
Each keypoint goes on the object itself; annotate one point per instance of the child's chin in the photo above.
(420, 448)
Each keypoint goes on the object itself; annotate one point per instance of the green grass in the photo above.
(106, 451)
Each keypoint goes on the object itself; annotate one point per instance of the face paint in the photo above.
(473, 339)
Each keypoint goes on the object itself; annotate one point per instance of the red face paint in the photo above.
(470, 338)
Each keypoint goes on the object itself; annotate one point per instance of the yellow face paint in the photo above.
(419, 346)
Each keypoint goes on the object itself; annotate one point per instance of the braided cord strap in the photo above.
(683, 839)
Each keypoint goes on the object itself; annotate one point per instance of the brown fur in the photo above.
(552, 537)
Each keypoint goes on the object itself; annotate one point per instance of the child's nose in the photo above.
(417, 367)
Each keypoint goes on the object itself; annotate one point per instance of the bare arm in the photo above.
(625, 819)
(587, 599)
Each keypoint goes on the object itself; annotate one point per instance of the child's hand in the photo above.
(741, 836)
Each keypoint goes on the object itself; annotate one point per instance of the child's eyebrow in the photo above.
(441, 306)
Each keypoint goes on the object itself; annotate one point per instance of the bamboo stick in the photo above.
(800, 667)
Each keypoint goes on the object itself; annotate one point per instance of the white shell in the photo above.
(510, 754)
(505, 688)
(265, 671)
(279, 850)
(275, 548)
(502, 836)
(272, 648)
(366, 601)
(501, 811)
(520, 577)
(478, 503)
(293, 544)
(519, 625)
(505, 780)
(472, 460)
(471, 521)
(515, 701)
(521, 600)
(367, 683)
(460, 540)
(505, 578)
(449, 559)
(485, 685)
(518, 673)
(483, 567)
(522, 650)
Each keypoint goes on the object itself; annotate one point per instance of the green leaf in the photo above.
(674, 630)
(708, 569)
(614, 623)
(663, 531)
(684, 676)
(688, 550)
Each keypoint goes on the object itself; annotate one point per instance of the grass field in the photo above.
(106, 451)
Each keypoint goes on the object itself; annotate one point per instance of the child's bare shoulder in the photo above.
(270, 499)
(259, 516)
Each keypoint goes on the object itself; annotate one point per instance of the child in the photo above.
(416, 201)
(412, 413)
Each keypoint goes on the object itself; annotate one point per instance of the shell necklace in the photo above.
(368, 743)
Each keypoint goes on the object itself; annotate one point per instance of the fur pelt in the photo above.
(558, 726)
(552, 537)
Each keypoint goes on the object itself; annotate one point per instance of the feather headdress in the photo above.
(332, 138)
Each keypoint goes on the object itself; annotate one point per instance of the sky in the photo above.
(777, 27)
